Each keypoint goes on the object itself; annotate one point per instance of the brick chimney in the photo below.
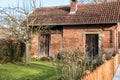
(73, 6)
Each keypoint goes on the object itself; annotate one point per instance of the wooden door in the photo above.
(92, 45)
(44, 45)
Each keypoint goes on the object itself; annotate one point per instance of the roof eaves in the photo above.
(76, 23)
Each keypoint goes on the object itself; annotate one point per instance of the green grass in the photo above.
(35, 71)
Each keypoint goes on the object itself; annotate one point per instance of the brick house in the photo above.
(87, 27)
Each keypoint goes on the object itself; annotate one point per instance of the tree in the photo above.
(16, 19)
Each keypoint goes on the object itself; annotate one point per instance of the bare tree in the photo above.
(16, 19)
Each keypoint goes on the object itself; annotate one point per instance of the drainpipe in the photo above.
(115, 38)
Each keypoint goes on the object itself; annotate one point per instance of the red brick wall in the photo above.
(118, 30)
(55, 44)
(34, 45)
(74, 36)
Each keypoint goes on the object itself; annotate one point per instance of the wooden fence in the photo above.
(105, 72)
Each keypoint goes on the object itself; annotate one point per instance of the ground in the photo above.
(35, 71)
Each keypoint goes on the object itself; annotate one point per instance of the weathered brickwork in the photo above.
(74, 37)
(54, 48)
(34, 45)
(56, 44)
(79, 22)
(118, 30)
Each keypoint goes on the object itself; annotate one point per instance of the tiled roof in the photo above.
(86, 14)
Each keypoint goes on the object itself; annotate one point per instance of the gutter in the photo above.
(73, 24)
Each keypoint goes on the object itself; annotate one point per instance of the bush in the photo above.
(70, 65)
(34, 58)
(108, 53)
(46, 58)
(11, 50)
(98, 61)
(73, 65)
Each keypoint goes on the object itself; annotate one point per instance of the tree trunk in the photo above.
(27, 53)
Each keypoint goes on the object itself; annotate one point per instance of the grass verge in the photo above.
(35, 71)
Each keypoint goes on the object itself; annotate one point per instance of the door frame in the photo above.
(48, 52)
(84, 42)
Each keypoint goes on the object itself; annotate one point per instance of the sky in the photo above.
(44, 3)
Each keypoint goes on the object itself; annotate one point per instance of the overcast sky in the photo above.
(44, 3)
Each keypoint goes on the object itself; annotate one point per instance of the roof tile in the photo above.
(86, 14)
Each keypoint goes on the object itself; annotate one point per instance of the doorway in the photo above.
(44, 42)
(92, 43)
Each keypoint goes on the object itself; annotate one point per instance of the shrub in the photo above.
(108, 53)
(70, 65)
(73, 65)
(108, 56)
(46, 58)
(11, 50)
(98, 61)
(34, 58)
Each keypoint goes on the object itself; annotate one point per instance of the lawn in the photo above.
(35, 71)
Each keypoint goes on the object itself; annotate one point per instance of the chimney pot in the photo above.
(73, 6)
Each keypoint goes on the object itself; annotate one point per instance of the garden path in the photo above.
(117, 74)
